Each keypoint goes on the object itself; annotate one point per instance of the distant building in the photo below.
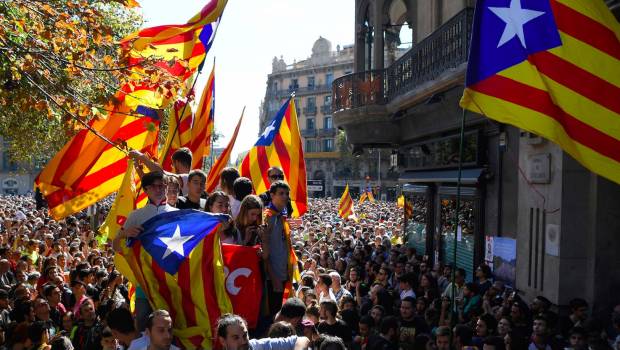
(311, 81)
(14, 179)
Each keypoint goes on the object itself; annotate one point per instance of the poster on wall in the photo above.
(501, 255)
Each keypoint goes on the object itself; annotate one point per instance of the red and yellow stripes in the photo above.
(104, 176)
(286, 152)
(345, 205)
(221, 162)
(179, 133)
(195, 296)
(209, 14)
(569, 94)
(202, 130)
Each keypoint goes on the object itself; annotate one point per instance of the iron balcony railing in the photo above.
(308, 132)
(444, 49)
(326, 109)
(327, 132)
(310, 110)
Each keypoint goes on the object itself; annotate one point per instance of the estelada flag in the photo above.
(208, 15)
(244, 282)
(177, 261)
(280, 145)
(551, 67)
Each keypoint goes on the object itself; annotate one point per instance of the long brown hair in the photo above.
(248, 203)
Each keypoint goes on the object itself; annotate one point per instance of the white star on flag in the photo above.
(175, 243)
(268, 129)
(515, 18)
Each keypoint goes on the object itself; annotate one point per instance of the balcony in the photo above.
(326, 109)
(310, 110)
(327, 132)
(308, 132)
(368, 104)
(301, 91)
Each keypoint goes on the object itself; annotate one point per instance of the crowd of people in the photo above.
(361, 285)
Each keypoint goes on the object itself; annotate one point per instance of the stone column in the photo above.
(378, 46)
(360, 38)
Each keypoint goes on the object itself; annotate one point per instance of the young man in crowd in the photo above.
(232, 334)
(159, 331)
(196, 181)
(331, 324)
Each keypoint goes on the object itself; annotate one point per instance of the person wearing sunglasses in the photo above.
(275, 174)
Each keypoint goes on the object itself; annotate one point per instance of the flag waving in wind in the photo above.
(214, 173)
(551, 67)
(177, 261)
(280, 145)
(345, 206)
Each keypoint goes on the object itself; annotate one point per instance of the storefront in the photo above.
(429, 183)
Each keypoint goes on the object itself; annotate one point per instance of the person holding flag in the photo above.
(278, 255)
(155, 186)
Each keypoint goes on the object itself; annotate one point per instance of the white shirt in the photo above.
(235, 206)
(143, 343)
(407, 293)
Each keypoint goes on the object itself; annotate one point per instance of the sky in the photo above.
(251, 33)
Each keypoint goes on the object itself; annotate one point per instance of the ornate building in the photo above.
(311, 81)
(563, 219)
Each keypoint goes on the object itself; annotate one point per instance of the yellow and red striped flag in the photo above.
(108, 168)
(127, 199)
(202, 131)
(214, 173)
(551, 67)
(363, 198)
(187, 279)
(280, 145)
(208, 16)
(179, 132)
(345, 205)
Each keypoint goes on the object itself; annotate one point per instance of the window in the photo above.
(310, 146)
(311, 101)
(327, 100)
(311, 83)
(294, 85)
(327, 123)
(297, 107)
(310, 124)
(328, 145)
(329, 78)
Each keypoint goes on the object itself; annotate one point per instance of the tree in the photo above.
(59, 67)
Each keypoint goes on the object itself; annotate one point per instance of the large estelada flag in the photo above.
(202, 130)
(207, 16)
(177, 261)
(551, 67)
(280, 145)
(214, 173)
(345, 205)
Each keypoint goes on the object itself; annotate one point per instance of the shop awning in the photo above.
(468, 176)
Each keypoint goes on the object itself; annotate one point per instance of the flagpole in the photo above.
(456, 217)
(212, 138)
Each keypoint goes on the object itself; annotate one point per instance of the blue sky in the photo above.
(250, 35)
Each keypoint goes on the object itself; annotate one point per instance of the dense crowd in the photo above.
(361, 287)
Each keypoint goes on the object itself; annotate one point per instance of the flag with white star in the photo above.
(551, 67)
(279, 145)
(177, 261)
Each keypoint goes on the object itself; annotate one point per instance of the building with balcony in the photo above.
(311, 80)
(515, 185)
